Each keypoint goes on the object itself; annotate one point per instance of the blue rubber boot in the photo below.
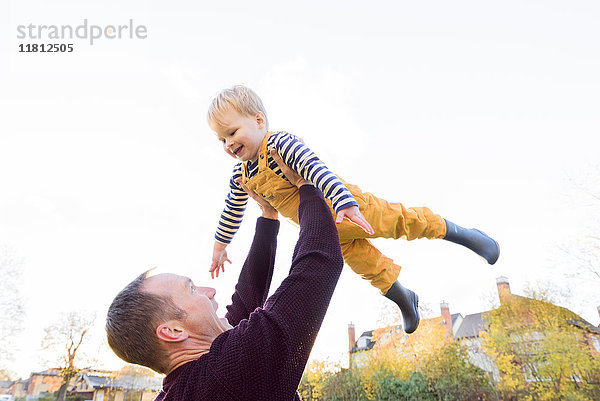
(477, 241)
(408, 302)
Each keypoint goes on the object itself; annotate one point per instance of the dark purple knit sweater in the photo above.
(264, 355)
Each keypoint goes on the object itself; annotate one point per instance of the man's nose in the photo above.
(208, 291)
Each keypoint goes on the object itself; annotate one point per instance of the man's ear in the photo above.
(261, 120)
(171, 332)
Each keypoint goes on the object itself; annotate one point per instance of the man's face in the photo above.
(197, 302)
(241, 135)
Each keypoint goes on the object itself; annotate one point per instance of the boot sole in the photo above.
(416, 305)
(494, 259)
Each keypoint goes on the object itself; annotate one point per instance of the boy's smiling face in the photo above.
(241, 135)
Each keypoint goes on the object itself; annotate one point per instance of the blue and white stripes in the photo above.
(235, 205)
(298, 157)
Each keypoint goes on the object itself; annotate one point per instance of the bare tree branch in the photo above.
(64, 339)
(11, 306)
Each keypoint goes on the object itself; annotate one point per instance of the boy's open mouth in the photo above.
(237, 151)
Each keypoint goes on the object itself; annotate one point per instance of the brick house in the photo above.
(46, 381)
(468, 329)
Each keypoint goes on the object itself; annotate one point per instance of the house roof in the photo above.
(123, 382)
(454, 316)
(99, 381)
(47, 372)
(368, 335)
(584, 324)
(471, 326)
(6, 383)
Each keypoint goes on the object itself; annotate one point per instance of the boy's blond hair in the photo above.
(239, 97)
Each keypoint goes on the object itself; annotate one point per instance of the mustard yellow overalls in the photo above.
(389, 220)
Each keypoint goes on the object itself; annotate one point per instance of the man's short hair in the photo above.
(239, 97)
(131, 325)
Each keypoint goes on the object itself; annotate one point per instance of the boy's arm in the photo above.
(229, 222)
(233, 213)
(305, 162)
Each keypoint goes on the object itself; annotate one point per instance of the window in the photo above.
(596, 343)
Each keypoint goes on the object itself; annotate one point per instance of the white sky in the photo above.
(482, 111)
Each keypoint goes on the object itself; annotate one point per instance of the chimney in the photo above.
(351, 342)
(351, 336)
(447, 318)
(503, 288)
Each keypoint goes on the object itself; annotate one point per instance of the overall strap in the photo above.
(244, 168)
(263, 155)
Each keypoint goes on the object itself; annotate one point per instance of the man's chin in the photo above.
(225, 323)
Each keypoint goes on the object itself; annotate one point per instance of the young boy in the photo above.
(239, 119)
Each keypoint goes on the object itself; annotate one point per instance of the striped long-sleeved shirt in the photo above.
(298, 157)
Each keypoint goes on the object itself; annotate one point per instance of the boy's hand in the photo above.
(355, 216)
(219, 259)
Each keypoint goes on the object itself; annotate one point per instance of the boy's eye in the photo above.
(233, 133)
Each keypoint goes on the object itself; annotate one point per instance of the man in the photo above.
(167, 323)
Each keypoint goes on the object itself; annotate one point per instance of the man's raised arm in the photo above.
(271, 348)
(300, 303)
(255, 278)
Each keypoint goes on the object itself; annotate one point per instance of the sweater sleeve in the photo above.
(235, 205)
(255, 278)
(306, 163)
(266, 354)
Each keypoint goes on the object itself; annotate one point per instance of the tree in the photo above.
(454, 377)
(397, 355)
(5, 374)
(344, 385)
(541, 351)
(392, 388)
(64, 340)
(11, 307)
(584, 251)
(314, 378)
(424, 366)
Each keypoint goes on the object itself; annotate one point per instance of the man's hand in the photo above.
(268, 211)
(219, 258)
(355, 216)
(290, 174)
